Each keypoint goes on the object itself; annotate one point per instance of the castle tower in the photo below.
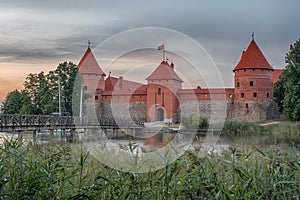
(253, 88)
(162, 102)
(253, 76)
(92, 75)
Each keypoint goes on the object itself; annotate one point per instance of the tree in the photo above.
(43, 89)
(195, 122)
(287, 89)
(35, 86)
(27, 106)
(12, 103)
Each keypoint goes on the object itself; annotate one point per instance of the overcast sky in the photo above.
(36, 35)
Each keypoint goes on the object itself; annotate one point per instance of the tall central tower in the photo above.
(163, 83)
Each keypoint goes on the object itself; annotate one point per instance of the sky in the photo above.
(37, 35)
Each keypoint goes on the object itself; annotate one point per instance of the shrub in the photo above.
(195, 122)
(234, 127)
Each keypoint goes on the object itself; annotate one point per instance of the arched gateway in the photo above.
(160, 114)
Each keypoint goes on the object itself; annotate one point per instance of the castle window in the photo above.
(96, 97)
(159, 91)
(247, 108)
(251, 83)
(238, 84)
(253, 69)
(242, 95)
(244, 70)
(268, 95)
(254, 94)
(85, 87)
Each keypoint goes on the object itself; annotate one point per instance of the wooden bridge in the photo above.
(36, 122)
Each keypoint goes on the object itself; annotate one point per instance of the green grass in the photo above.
(286, 133)
(67, 171)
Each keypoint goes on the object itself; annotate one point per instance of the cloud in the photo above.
(34, 31)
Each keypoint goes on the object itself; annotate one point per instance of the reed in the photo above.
(64, 171)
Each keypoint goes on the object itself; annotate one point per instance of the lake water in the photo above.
(122, 143)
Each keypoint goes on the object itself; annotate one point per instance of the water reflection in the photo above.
(115, 141)
(39, 138)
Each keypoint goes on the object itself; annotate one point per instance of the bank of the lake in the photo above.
(257, 165)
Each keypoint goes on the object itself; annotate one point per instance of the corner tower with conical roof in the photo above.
(253, 88)
(253, 76)
(163, 84)
(92, 75)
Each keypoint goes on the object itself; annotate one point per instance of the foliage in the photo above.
(12, 103)
(194, 122)
(40, 94)
(235, 127)
(287, 89)
(64, 172)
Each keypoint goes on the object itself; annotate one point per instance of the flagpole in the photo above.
(163, 55)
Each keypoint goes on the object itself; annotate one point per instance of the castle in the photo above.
(163, 97)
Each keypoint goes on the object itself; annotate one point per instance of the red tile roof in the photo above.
(120, 85)
(253, 58)
(164, 72)
(89, 65)
(276, 74)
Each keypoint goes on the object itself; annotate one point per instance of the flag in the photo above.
(161, 47)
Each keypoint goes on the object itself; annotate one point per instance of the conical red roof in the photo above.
(89, 65)
(164, 72)
(253, 58)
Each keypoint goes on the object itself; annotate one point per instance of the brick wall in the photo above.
(123, 110)
(215, 111)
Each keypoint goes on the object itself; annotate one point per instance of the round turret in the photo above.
(253, 76)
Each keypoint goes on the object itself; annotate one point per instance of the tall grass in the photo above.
(287, 133)
(55, 171)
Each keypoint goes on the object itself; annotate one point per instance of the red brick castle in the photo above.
(163, 97)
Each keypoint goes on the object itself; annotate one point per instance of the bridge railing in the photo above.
(15, 121)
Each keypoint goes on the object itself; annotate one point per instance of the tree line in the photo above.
(40, 92)
(287, 88)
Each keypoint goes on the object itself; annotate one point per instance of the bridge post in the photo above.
(20, 136)
(51, 134)
(115, 133)
(132, 130)
(63, 135)
(34, 137)
(73, 134)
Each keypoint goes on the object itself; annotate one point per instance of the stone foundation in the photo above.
(214, 111)
(252, 111)
(124, 110)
